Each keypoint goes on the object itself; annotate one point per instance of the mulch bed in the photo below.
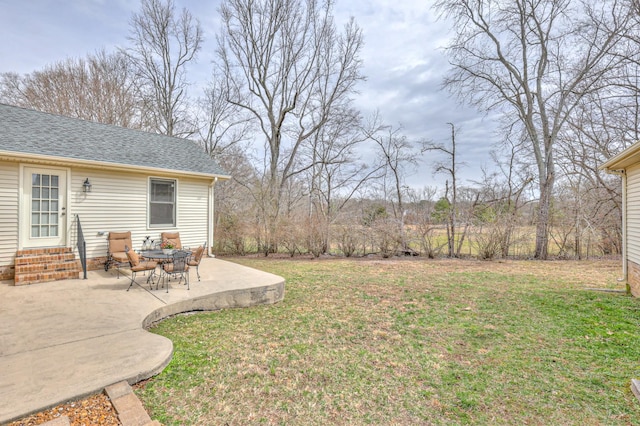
(94, 410)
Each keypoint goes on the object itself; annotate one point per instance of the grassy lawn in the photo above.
(410, 342)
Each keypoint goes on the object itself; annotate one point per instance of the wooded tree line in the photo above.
(311, 174)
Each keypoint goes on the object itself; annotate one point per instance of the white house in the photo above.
(627, 165)
(55, 170)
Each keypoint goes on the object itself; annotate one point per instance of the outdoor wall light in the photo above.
(86, 186)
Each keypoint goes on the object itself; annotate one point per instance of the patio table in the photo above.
(160, 257)
(156, 255)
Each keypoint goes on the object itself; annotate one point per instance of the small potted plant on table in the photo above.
(167, 247)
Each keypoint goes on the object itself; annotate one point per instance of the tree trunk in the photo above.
(542, 227)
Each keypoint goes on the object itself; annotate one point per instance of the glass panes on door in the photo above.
(44, 205)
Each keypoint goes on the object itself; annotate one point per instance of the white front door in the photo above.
(44, 204)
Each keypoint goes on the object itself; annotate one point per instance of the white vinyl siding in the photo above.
(9, 196)
(118, 202)
(192, 211)
(633, 214)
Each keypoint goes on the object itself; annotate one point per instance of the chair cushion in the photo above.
(168, 268)
(120, 256)
(117, 241)
(197, 256)
(133, 257)
(144, 266)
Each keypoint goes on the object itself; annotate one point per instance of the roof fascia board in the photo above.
(623, 160)
(54, 160)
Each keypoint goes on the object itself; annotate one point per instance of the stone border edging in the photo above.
(128, 406)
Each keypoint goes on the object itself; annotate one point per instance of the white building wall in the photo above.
(193, 202)
(633, 214)
(118, 202)
(9, 198)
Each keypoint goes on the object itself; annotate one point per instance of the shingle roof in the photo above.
(34, 132)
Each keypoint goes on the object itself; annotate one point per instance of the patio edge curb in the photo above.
(266, 295)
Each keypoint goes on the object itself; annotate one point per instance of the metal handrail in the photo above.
(82, 247)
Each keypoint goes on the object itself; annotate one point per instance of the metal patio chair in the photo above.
(173, 237)
(116, 253)
(179, 266)
(140, 265)
(195, 259)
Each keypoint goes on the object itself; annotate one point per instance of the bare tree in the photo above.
(397, 155)
(221, 124)
(338, 171)
(603, 126)
(99, 88)
(236, 210)
(287, 65)
(423, 202)
(163, 44)
(501, 202)
(534, 60)
(599, 128)
(449, 168)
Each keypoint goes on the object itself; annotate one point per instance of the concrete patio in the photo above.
(64, 340)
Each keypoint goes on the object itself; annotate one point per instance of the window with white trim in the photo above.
(162, 202)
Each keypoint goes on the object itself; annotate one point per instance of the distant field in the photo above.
(410, 342)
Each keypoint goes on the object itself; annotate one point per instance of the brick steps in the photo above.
(45, 264)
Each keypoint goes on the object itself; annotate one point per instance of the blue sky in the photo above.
(403, 60)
